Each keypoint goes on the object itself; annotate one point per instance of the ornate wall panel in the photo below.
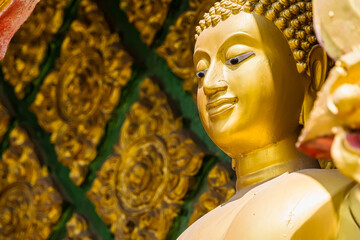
(221, 189)
(77, 98)
(78, 229)
(4, 121)
(147, 16)
(179, 44)
(140, 187)
(29, 202)
(146, 186)
(29, 46)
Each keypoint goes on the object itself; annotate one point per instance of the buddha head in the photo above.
(258, 66)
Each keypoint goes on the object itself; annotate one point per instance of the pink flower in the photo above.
(13, 13)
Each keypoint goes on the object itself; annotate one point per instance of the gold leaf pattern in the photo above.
(29, 203)
(78, 229)
(148, 16)
(221, 189)
(78, 97)
(140, 187)
(29, 46)
(4, 121)
(179, 44)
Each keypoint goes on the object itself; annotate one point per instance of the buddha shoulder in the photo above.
(290, 206)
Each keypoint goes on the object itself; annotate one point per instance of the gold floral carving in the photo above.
(4, 121)
(140, 187)
(221, 189)
(78, 97)
(78, 229)
(29, 203)
(29, 46)
(148, 16)
(179, 44)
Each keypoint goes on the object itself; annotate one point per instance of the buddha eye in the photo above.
(201, 74)
(239, 59)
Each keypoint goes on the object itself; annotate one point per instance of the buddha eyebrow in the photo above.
(241, 38)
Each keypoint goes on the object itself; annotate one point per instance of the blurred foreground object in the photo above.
(333, 128)
(13, 13)
(336, 114)
(336, 25)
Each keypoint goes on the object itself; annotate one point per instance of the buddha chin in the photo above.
(252, 60)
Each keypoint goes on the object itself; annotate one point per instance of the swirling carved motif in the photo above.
(4, 121)
(83, 87)
(16, 209)
(221, 189)
(78, 229)
(179, 44)
(140, 187)
(78, 97)
(29, 202)
(148, 16)
(29, 46)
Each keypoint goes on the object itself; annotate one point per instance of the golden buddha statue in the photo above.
(259, 67)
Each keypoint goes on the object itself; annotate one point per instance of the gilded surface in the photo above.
(221, 189)
(147, 16)
(4, 121)
(29, 46)
(29, 203)
(140, 187)
(78, 229)
(179, 44)
(4, 4)
(77, 98)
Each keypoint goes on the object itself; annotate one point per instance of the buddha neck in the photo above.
(269, 162)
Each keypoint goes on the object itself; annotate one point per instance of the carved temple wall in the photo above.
(99, 132)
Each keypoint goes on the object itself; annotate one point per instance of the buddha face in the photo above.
(249, 90)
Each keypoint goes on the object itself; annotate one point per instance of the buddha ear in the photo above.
(318, 63)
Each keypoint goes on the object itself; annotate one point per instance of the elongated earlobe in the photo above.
(319, 65)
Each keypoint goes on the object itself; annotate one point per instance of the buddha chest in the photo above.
(301, 205)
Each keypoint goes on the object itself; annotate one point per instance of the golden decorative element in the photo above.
(29, 203)
(179, 44)
(147, 16)
(4, 121)
(78, 229)
(29, 46)
(77, 98)
(140, 187)
(4, 4)
(221, 189)
(326, 164)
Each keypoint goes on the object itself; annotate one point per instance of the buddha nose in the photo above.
(214, 83)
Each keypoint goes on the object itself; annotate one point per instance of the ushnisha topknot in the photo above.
(293, 18)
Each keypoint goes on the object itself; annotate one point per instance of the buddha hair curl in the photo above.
(292, 17)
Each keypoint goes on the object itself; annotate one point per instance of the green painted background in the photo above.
(147, 64)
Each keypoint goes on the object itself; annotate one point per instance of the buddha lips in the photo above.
(13, 13)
